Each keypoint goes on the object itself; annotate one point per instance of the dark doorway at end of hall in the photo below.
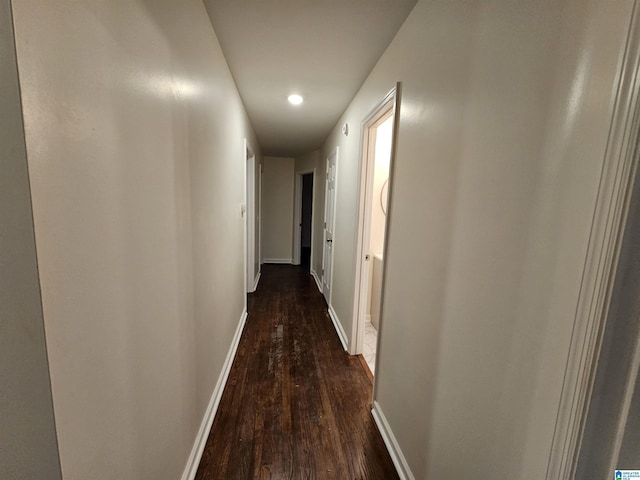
(307, 204)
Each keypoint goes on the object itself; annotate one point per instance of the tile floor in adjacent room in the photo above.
(370, 343)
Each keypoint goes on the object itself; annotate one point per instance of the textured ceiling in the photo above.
(322, 49)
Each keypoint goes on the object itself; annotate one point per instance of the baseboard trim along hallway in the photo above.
(390, 441)
(203, 433)
(256, 282)
(278, 261)
(318, 282)
(338, 326)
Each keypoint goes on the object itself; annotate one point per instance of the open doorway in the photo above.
(378, 136)
(306, 223)
(251, 211)
(303, 222)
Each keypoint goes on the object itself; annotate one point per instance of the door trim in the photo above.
(259, 222)
(387, 106)
(249, 212)
(619, 167)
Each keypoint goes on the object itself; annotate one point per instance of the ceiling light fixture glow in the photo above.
(295, 99)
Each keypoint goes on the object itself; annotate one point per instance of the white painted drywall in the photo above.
(277, 218)
(503, 126)
(307, 163)
(322, 49)
(134, 133)
(28, 447)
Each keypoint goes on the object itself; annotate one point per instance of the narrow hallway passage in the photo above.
(296, 405)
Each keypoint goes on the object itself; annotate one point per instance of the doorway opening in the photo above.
(251, 210)
(306, 223)
(377, 148)
(303, 224)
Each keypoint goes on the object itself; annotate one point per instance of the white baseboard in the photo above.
(315, 277)
(201, 439)
(404, 472)
(278, 260)
(255, 283)
(338, 326)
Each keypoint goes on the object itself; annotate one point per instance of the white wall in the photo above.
(306, 163)
(277, 217)
(134, 133)
(503, 126)
(28, 447)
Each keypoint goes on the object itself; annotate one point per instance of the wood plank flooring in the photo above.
(296, 405)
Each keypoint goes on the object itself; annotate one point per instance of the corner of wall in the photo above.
(28, 443)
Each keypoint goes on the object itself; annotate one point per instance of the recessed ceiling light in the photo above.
(295, 99)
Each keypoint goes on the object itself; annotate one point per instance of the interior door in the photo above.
(250, 213)
(329, 224)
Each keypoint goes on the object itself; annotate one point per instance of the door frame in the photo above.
(297, 214)
(251, 277)
(620, 165)
(259, 222)
(388, 106)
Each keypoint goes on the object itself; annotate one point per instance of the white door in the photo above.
(329, 224)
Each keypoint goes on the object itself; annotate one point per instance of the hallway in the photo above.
(150, 155)
(296, 405)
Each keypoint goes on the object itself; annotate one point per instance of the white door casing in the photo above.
(601, 263)
(259, 220)
(382, 111)
(250, 217)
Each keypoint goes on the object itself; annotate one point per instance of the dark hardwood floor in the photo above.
(296, 405)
